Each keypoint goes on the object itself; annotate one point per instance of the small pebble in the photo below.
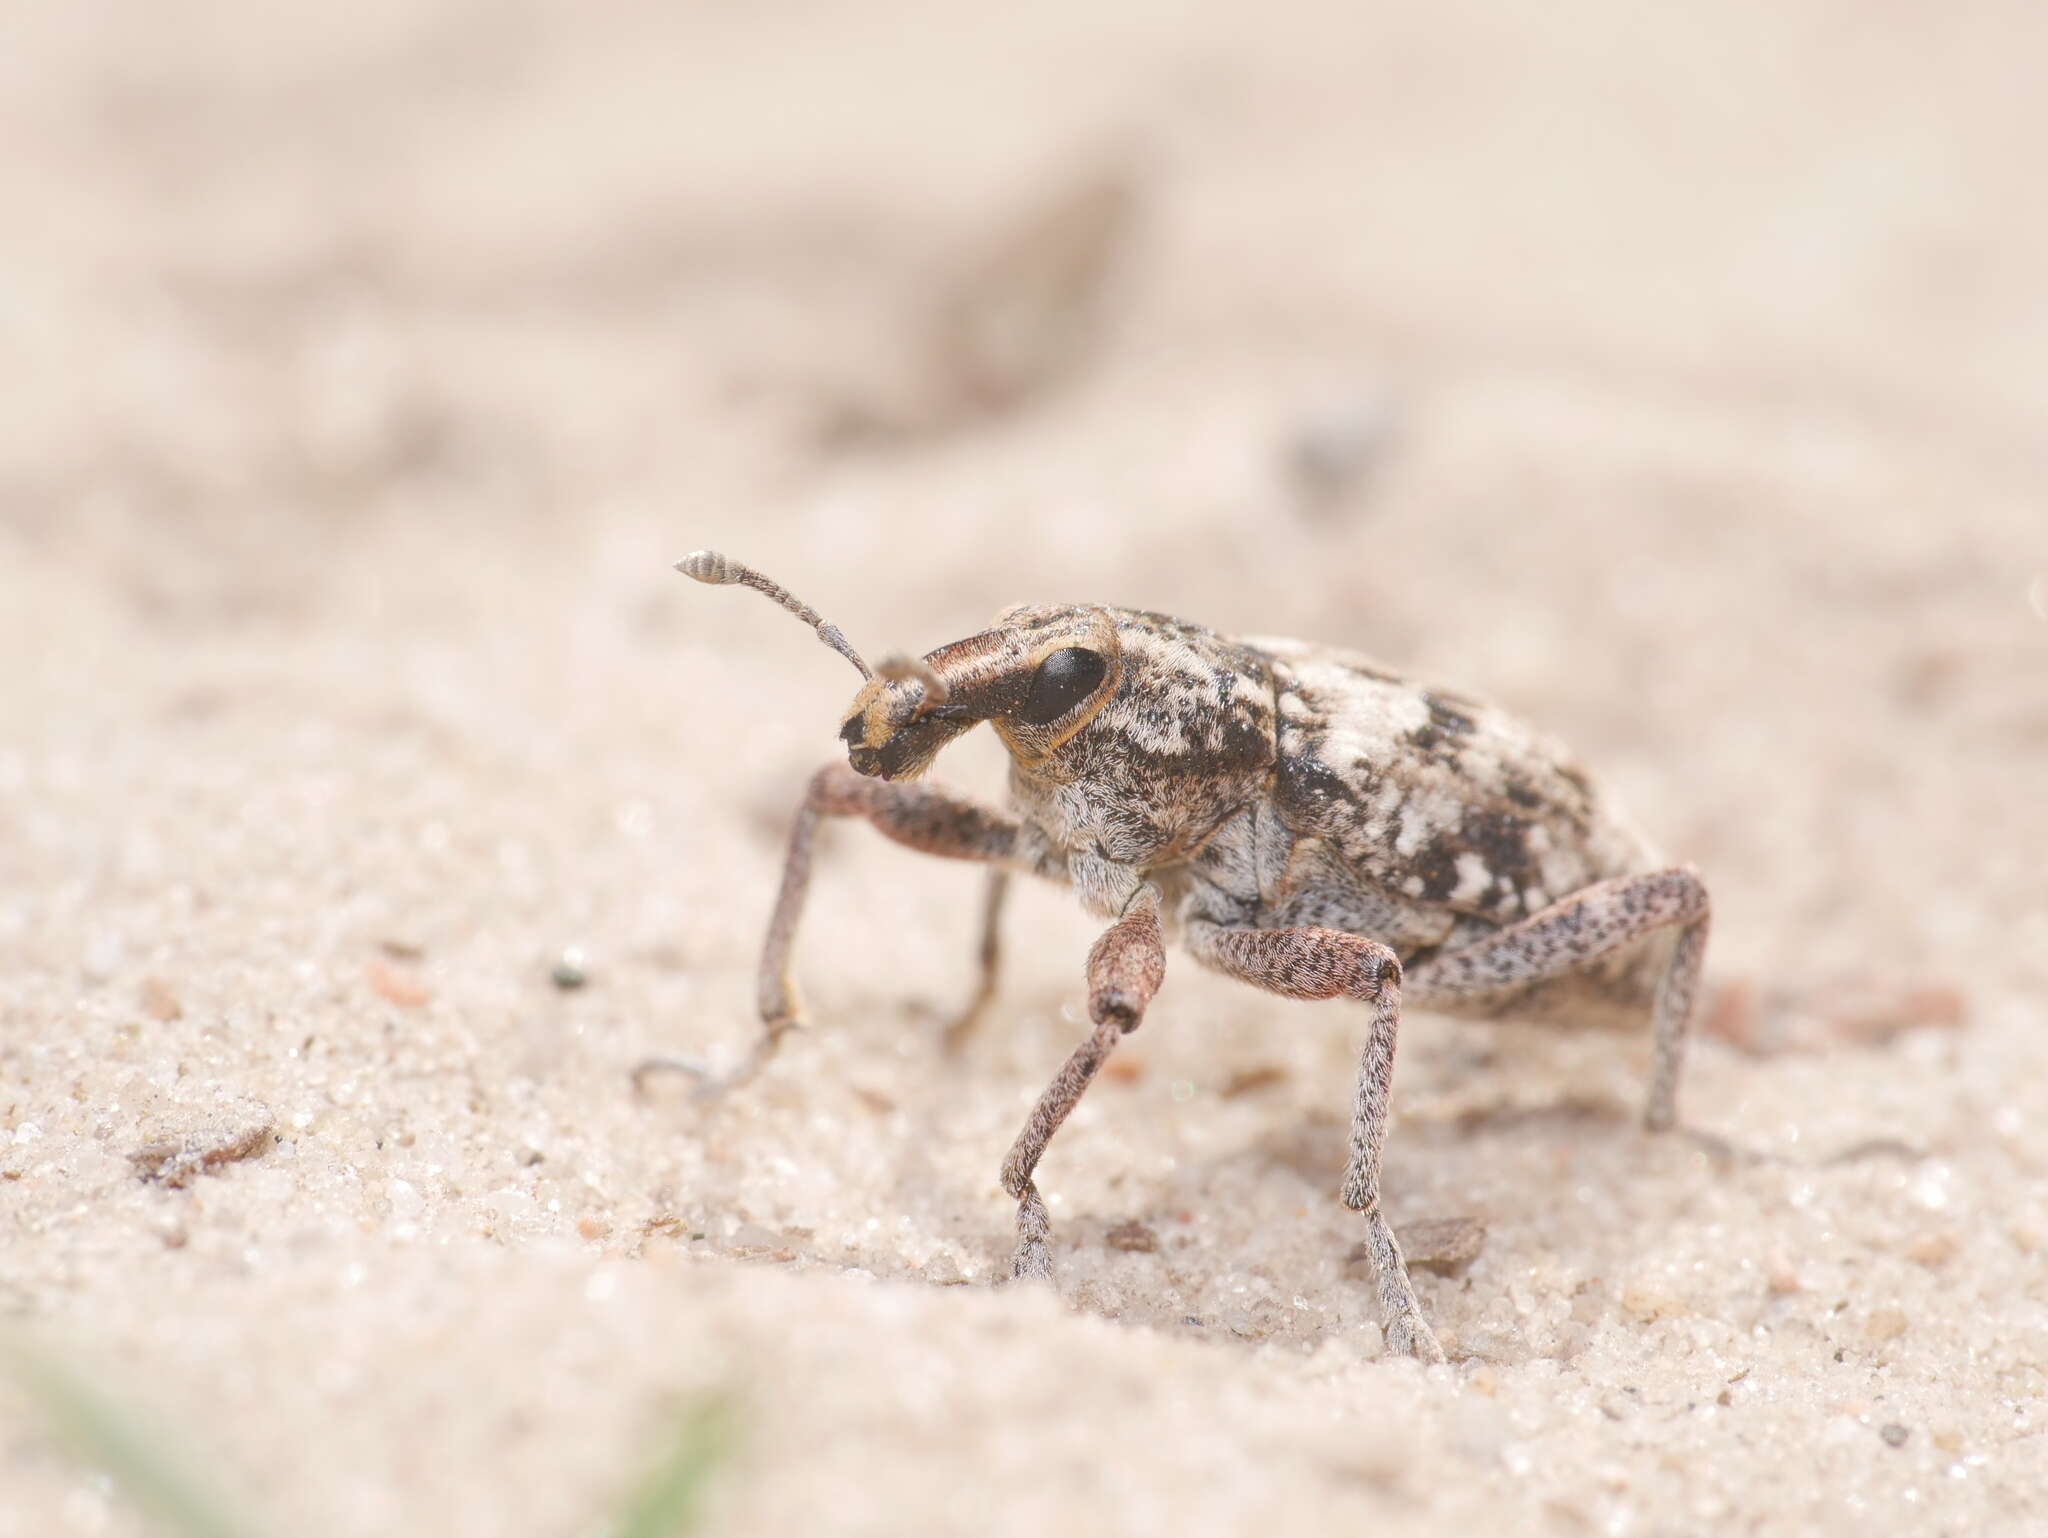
(397, 987)
(103, 957)
(571, 970)
(177, 1164)
(1935, 1249)
(1894, 1434)
(1646, 1303)
(1443, 1245)
(1133, 1237)
(1885, 1324)
(1246, 1080)
(1334, 445)
(158, 1001)
(512, 1205)
(754, 1239)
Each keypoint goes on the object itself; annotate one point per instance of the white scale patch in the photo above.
(1362, 717)
(1155, 735)
(1425, 814)
(1473, 878)
(1171, 671)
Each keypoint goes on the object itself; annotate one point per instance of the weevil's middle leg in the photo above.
(920, 816)
(1308, 962)
(1124, 971)
(1579, 929)
(988, 962)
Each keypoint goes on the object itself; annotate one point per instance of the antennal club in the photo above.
(719, 570)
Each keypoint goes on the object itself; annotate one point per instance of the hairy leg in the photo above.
(1124, 971)
(989, 960)
(1580, 929)
(926, 819)
(1314, 963)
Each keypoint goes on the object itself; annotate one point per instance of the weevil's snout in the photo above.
(913, 707)
(872, 727)
(891, 735)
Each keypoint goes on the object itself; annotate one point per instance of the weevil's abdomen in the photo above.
(1432, 799)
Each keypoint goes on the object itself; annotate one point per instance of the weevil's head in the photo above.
(1039, 676)
(1063, 686)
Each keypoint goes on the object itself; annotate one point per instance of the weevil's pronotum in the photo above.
(1293, 815)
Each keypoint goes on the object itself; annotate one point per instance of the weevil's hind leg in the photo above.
(1676, 992)
(919, 816)
(1314, 963)
(1124, 971)
(1580, 929)
(988, 963)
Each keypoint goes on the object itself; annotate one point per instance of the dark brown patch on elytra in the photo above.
(1446, 730)
(1448, 714)
(1435, 865)
(1306, 781)
(1501, 840)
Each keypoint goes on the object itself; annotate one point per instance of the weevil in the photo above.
(1292, 815)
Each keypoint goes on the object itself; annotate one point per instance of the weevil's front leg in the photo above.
(1314, 963)
(1581, 928)
(1124, 971)
(926, 819)
(922, 817)
(988, 960)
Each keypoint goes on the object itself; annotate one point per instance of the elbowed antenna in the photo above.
(718, 570)
(900, 669)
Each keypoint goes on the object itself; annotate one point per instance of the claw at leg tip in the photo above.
(649, 1067)
(1412, 1337)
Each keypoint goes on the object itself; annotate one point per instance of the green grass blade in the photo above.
(668, 1500)
(102, 1435)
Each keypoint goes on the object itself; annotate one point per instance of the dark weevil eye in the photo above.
(853, 733)
(1062, 681)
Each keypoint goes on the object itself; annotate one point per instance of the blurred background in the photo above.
(1676, 377)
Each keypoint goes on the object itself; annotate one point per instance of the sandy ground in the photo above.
(1679, 382)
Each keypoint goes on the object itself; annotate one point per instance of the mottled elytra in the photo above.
(1293, 815)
